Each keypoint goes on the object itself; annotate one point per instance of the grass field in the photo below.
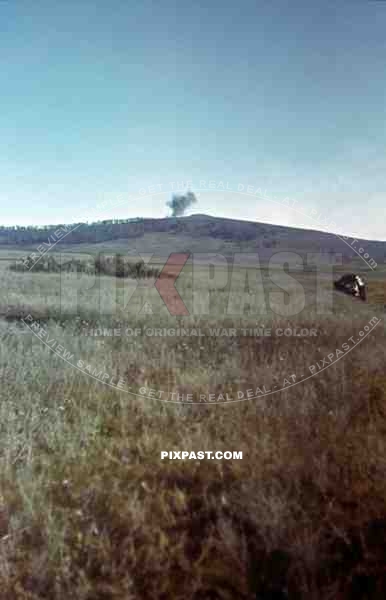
(89, 510)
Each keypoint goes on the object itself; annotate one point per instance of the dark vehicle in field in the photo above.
(352, 284)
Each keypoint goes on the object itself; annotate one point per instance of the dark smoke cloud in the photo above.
(179, 204)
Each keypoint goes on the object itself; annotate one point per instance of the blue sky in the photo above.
(100, 99)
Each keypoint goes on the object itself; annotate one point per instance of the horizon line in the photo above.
(239, 219)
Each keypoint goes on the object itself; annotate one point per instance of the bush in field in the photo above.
(115, 266)
(50, 265)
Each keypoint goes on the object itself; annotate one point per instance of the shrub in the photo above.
(114, 266)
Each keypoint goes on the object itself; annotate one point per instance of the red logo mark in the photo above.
(165, 284)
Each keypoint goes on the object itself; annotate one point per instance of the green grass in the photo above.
(159, 244)
(87, 508)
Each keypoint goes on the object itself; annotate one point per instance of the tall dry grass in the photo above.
(88, 510)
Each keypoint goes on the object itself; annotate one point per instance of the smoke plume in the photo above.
(180, 203)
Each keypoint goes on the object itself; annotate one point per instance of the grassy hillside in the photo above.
(195, 233)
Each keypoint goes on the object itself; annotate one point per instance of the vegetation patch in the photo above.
(115, 266)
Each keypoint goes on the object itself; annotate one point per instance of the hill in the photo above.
(195, 233)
